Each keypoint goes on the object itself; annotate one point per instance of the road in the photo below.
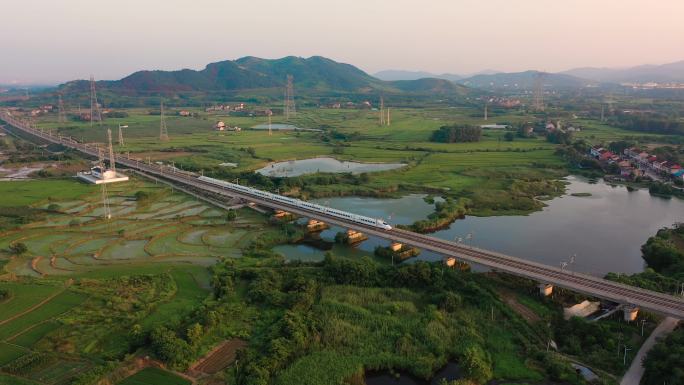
(636, 370)
(583, 283)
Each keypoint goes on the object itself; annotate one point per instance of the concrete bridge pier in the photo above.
(630, 312)
(545, 289)
(316, 225)
(353, 237)
(449, 261)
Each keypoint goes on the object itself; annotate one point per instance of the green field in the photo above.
(189, 294)
(58, 305)
(9, 353)
(23, 297)
(154, 376)
(25, 193)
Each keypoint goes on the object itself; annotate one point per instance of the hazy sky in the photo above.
(58, 40)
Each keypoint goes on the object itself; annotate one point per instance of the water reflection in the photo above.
(604, 230)
(323, 164)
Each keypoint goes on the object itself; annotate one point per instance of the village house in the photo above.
(222, 126)
(596, 151)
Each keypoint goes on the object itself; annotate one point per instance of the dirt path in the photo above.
(522, 310)
(32, 308)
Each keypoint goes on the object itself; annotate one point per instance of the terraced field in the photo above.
(75, 239)
(69, 294)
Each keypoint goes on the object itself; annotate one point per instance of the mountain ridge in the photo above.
(315, 74)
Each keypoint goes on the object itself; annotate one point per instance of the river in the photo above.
(605, 230)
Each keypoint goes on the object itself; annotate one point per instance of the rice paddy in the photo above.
(77, 239)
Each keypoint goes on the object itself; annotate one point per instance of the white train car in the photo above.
(299, 203)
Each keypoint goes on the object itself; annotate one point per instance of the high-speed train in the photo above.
(299, 203)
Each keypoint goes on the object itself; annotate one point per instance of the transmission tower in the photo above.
(106, 211)
(485, 111)
(290, 110)
(163, 132)
(94, 106)
(112, 161)
(270, 132)
(382, 111)
(539, 92)
(388, 116)
(61, 114)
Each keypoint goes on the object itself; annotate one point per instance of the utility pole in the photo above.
(485, 111)
(643, 321)
(270, 132)
(163, 132)
(618, 346)
(624, 358)
(112, 161)
(61, 114)
(382, 111)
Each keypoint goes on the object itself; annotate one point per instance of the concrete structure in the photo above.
(98, 175)
(316, 225)
(549, 275)
(582, 309)
(545, 289)
(630, 313)
(354, 236)
(494, 126)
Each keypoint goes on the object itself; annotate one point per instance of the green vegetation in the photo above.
(90, 295)
(664, 254)
(445, 213)
(154, 376)
(665, 362)
(457, 134)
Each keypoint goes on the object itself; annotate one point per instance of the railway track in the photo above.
(583, 283)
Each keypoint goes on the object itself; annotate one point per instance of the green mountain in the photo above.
(251, 75)
(524, 81)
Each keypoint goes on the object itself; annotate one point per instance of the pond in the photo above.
(283, 127)
(402, 210)
(605, 230)
(450, 372)
(323, 164)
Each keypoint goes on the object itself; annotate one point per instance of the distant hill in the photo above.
(314, 75)
(672, 72)
(425, 85)
(524, 80)
(392, 75)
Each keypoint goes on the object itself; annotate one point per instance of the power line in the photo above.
(163, 132)
(290, 110)
(112, 161)
(95, 114)
(61, 114)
